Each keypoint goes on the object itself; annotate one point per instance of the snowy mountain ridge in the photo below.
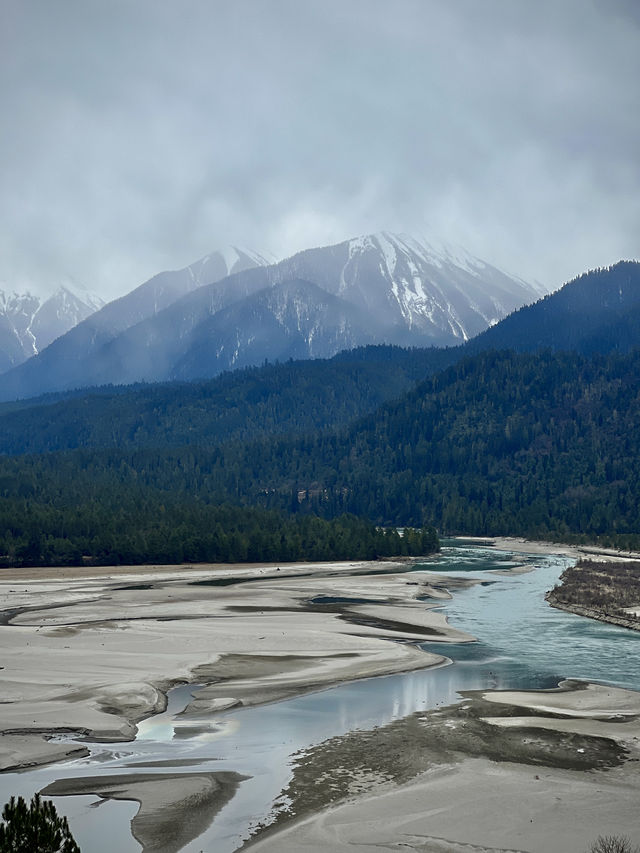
(232, 309)
(425, 288)
(29, 323)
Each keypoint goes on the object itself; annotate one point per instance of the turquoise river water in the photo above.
(522, 643)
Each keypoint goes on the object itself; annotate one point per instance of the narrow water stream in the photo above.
(522, 643)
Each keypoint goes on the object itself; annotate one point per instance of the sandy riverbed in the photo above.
(499, 772)
(518, 771)
(94, 651)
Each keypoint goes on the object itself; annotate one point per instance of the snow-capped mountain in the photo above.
(294, 319)
(161, 291)
(418, 290)
(382, 288)
(28, 324)
(68, 362)
(60, 313)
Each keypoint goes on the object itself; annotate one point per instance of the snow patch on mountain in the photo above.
(230, 310)
(29, 323)
(427, 287)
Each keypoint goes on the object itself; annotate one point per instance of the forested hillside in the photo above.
(297, 397)
(536, 445)
(597, 312)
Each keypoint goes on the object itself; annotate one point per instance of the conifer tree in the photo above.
(34, 828)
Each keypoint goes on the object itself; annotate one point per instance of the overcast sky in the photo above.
(138, 135)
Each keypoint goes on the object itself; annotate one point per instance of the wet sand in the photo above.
(93, 651)
(485, 775)
(174, 808)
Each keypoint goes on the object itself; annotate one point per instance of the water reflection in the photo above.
(524, 644)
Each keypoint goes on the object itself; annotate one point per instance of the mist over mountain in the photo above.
(381, 288)
(415, 290)
(65, 363)
(294, 319)
(28, 323)
(597, 312)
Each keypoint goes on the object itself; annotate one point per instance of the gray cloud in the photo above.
(139, 136)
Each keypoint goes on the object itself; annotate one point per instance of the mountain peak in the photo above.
(29, 323)
(223, 262)
(377, 288)
(429, 287)
(70, 291)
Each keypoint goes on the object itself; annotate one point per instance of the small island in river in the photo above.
(91, 652)
(608, 591)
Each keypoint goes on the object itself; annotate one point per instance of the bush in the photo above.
(34, 828)
(613, 844)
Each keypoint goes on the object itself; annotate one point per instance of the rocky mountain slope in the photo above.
(381, 288)
(73, 357)
(28, 323)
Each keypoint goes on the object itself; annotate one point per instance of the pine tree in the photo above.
(34, 828)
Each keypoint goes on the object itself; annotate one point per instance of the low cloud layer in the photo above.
(138, 136)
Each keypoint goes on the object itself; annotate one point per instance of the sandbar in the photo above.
(93, 651)
(174, 808)
(455, 779)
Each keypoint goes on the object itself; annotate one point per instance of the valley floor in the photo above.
(94, 651)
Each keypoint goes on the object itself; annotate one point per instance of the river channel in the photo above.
(522, 644)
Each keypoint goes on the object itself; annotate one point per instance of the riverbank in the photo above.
(92, 652)
(533, 771)
(603, 590)
(532, 546)
(261, 633)
(593, 613)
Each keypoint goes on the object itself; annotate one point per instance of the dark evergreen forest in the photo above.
(296, 397)
(597, 312)
(535, 445)
(323, 460)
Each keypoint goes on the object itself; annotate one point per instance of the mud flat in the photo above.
(533, 771)
(93, 651)
(174, 808)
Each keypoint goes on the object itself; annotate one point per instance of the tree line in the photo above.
(155, 527)
(538, 445)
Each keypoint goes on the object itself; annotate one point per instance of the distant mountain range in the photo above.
(597, 312)
(541, 443)
(72, 358)
(226, 312)
(28, 324)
